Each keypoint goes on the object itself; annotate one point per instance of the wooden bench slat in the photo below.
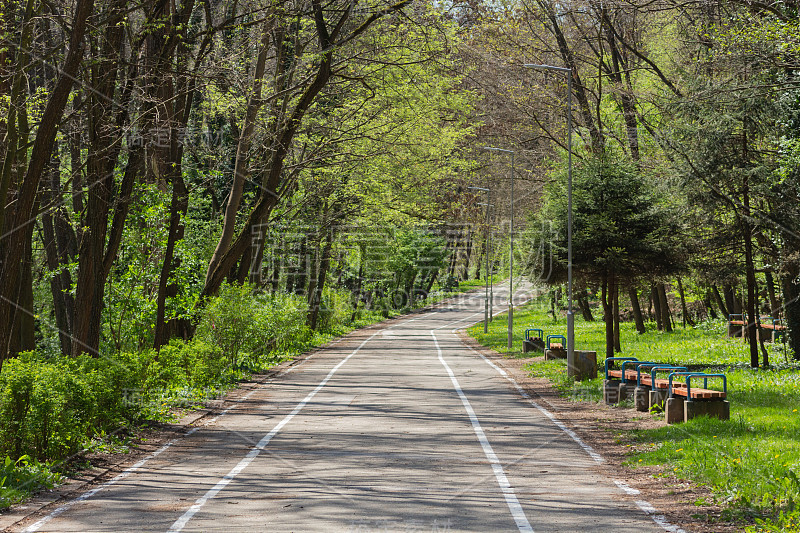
(700, 394)
(556, 346)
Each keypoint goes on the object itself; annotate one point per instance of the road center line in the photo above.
(508, 491)
(181, 522)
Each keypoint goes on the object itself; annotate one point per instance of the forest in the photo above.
(194, 190)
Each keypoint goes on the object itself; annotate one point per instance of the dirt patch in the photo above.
(605, 428)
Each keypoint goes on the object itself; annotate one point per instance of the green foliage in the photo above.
(21, 477)
(248, 325)
(621, 225)
(49, 406)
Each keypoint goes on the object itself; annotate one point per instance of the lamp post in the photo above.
(486, 253)
(570, 316)
(510, 252)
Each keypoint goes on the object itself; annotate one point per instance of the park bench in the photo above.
(681, 400)
(685, 402)
(736, 325)
(773, 329)
(533, 341)
(622, 383)
(650, 390)
(556, 350)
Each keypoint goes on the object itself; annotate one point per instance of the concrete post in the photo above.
(583, 364)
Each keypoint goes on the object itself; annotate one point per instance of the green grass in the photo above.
(751, 462)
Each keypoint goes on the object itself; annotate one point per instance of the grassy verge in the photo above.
(751, 463)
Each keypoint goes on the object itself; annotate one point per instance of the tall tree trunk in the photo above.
(606, 297)
(666, 314)
(316, 298)
(710, 312)
(774, 304)
(467, 256)
(13, 246)
(656, 299)
(104, 135)
(790, 283)
(583, 303)
(617, 344)
(720, 302)
(750, 275)
(684, 309)
(637, 311)
(241, 169)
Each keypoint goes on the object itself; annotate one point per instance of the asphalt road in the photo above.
(397, 427)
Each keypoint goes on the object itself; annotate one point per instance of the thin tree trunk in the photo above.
(710, 311)
(684, 309)
(637, 311)
(656, 299)
(750, 269)
(617, 344)
(666, 314)
(608, 314)
(583, 302)
(316, 299)
(241, 169)
(773, 299)
(720, 302)
(468, 256)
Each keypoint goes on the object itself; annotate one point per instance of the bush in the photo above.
(248, 326)
(20, 477)
(49, 406)
(336, 309)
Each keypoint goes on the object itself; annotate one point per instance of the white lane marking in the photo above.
(88, 494)
(661, 520)
(181, 522)
(508, 491)
(137, 466)
(593, 454)
(645, 506)
(630, 491)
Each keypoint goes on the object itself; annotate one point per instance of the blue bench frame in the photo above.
(551, 337)
(690, 375)
(610, 359)
(529, 330)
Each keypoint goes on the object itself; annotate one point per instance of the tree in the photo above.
(621, 230)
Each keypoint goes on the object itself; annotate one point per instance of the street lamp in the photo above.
(570, 316)
(510, 252)
(486, 253)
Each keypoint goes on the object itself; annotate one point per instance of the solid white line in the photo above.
(137, 466)
(645, 506)
(88, 494)
(588, 449)
(181, 522)
(508, 491)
